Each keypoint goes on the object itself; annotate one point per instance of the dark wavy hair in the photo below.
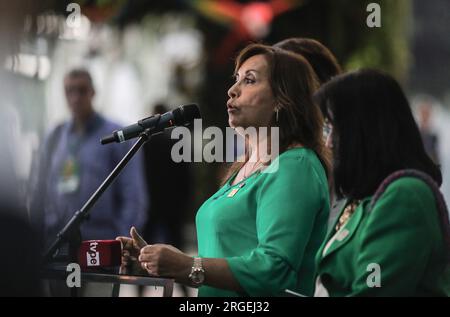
(293, 83)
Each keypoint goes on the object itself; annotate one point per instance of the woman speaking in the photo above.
(258, 235)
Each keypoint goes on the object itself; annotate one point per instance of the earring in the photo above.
(276, 115)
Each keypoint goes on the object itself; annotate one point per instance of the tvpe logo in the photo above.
(92, 255)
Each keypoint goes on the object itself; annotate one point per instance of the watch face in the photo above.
(198, 277)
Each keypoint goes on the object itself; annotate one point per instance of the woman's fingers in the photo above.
(151, 269)
(127, 243)
(145, 257)
(126, 255)
(137, 239)
(147, 249)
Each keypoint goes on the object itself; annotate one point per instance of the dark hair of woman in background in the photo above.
(393, 236)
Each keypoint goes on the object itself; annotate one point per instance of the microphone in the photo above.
(182, 115)
(99, 254)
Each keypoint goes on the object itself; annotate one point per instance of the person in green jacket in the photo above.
(258, 235)
(393, 239)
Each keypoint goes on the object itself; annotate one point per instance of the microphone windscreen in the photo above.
(94, 254)
(186, 114)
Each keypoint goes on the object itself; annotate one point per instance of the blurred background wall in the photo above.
(179, 51)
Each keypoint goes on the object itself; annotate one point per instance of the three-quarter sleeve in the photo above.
(289, 202)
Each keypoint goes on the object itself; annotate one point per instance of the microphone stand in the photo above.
(71, 231)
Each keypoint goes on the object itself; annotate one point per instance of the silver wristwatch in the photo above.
(197, 275)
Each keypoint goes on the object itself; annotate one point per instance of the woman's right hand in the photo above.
(131, 248)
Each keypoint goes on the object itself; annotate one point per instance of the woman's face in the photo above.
(251, 102)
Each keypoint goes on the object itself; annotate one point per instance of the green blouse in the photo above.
(397, 246)
(269, 226)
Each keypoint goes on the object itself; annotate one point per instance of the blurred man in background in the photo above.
(72, 164)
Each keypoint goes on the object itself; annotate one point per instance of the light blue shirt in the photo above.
(122, 205)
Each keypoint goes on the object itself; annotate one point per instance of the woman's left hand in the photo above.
(164, 260)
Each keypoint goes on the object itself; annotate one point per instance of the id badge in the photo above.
(69, 179)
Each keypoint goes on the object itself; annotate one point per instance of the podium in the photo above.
(115, 279)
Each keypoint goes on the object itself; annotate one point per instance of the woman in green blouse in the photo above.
(393, 239)
(259, 234)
